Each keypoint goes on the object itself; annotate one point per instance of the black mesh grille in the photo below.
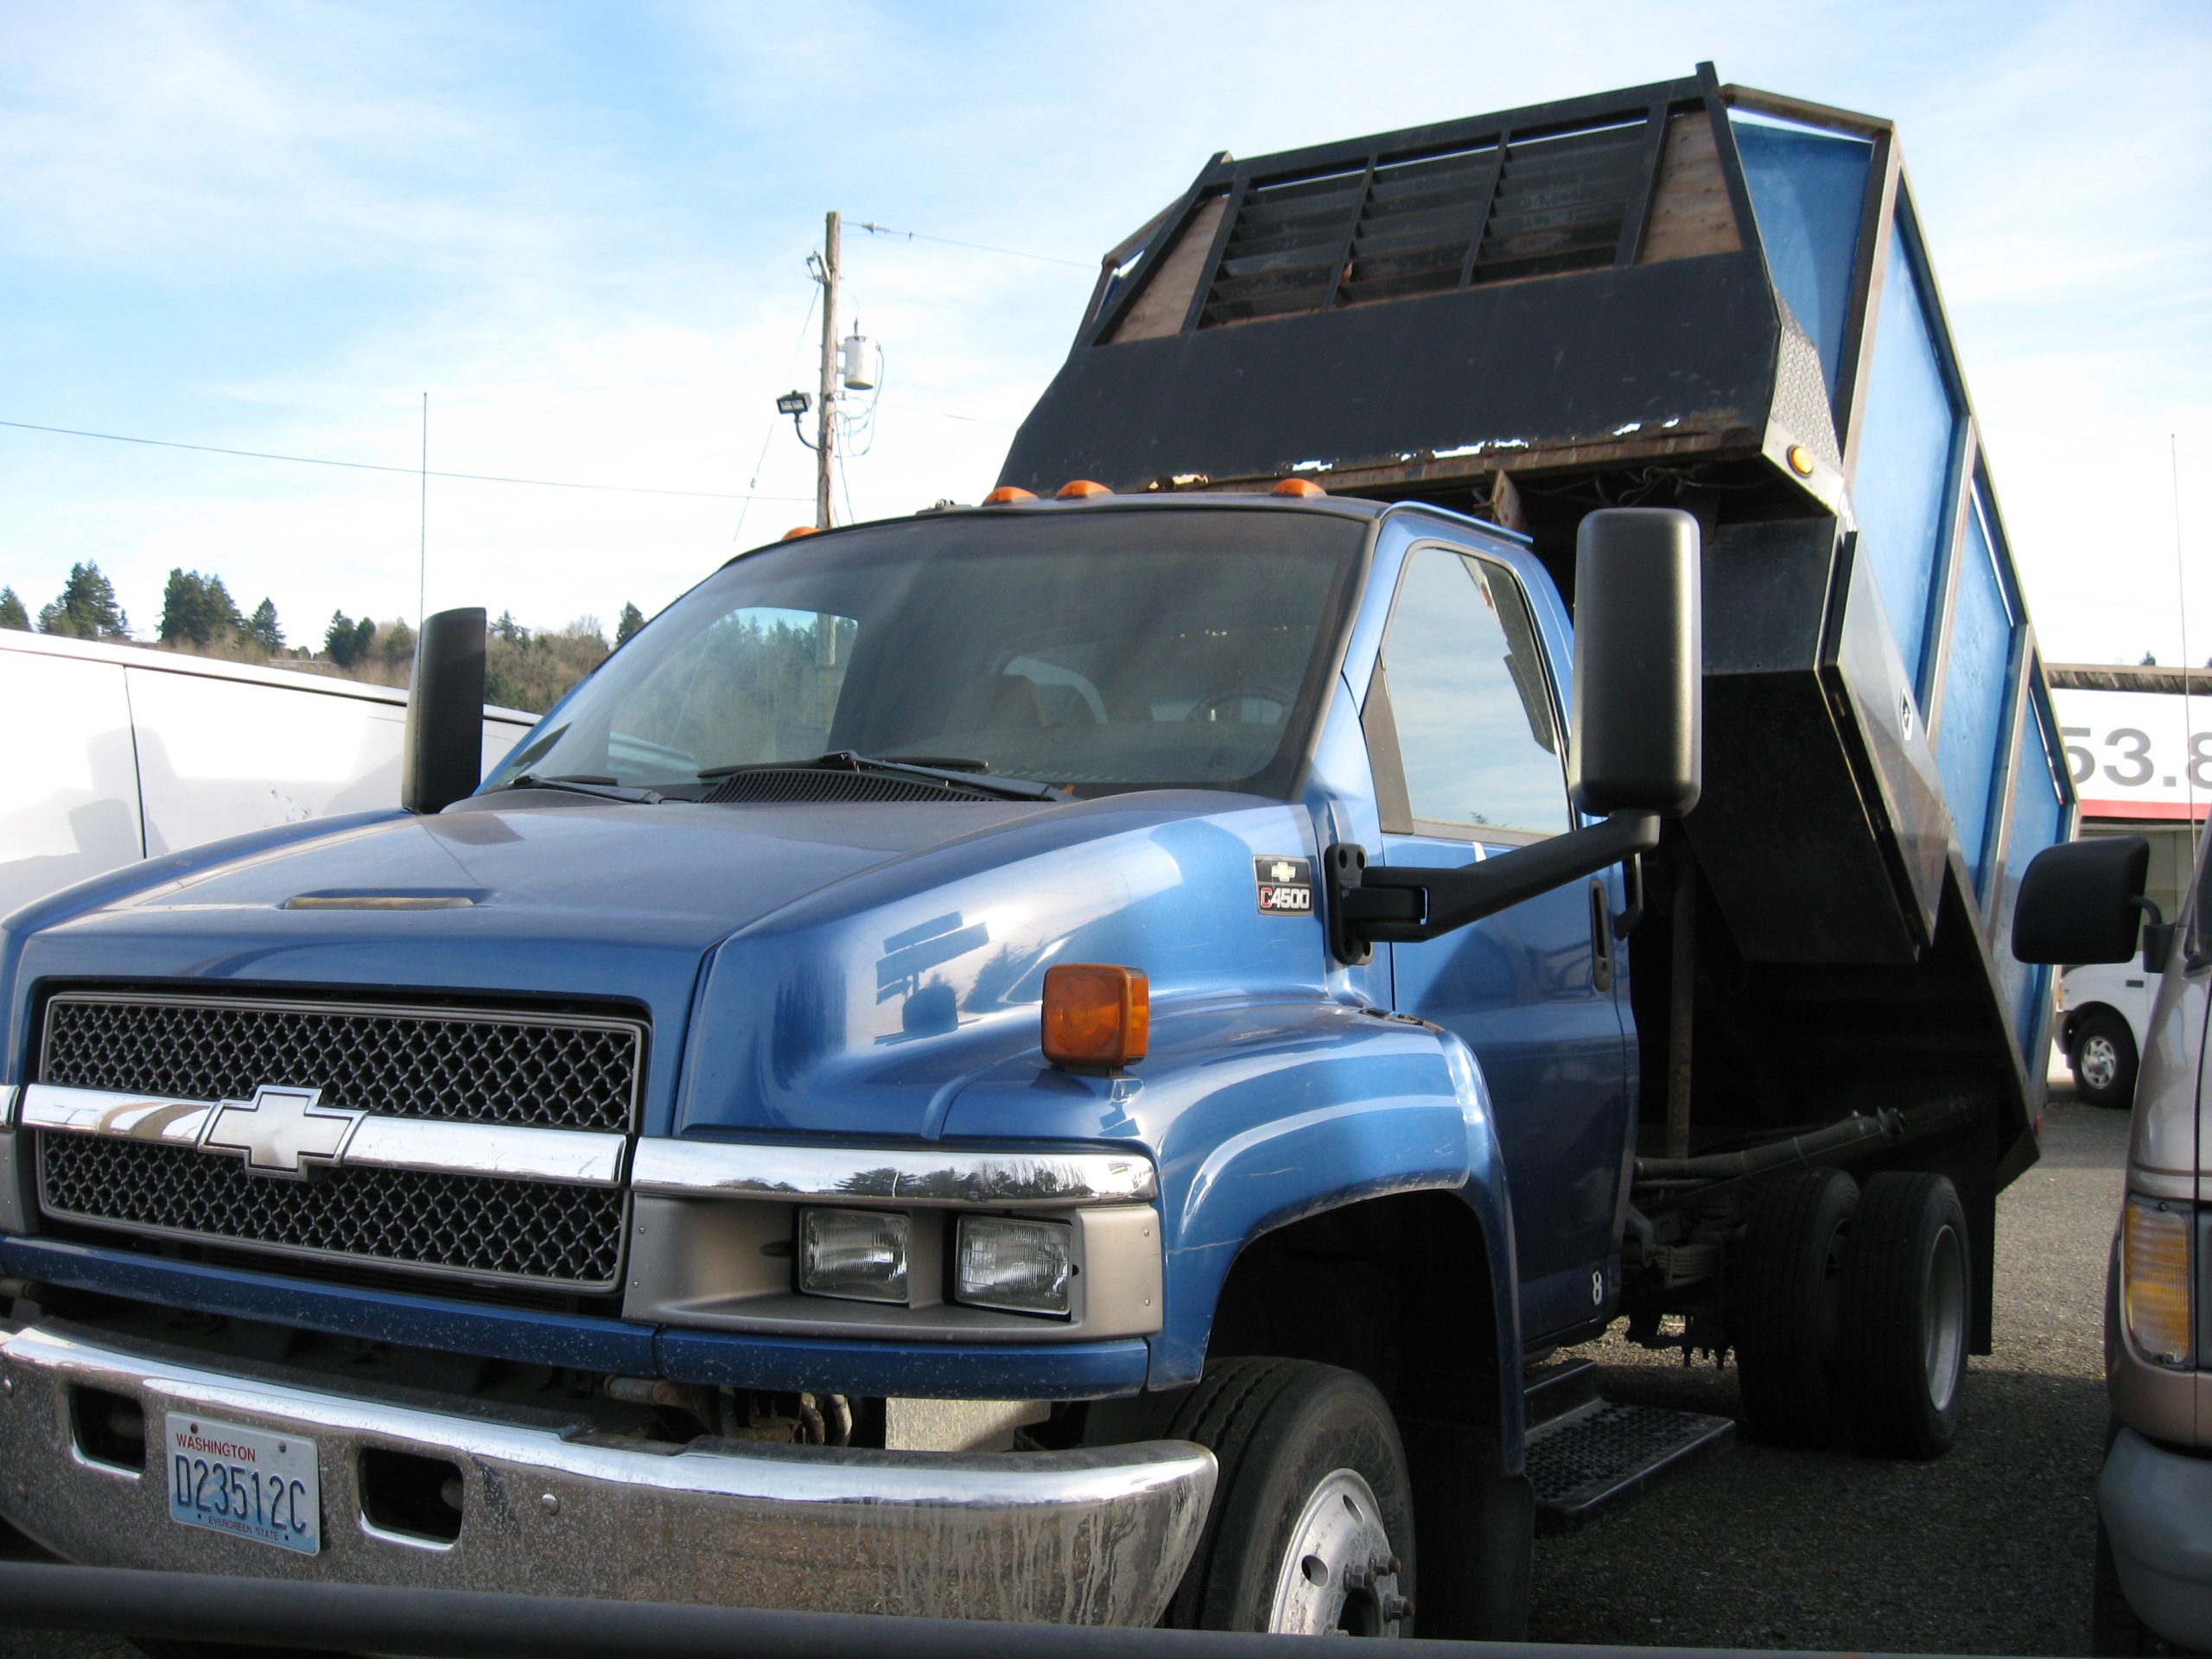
(538, 1231)
(472, 1069)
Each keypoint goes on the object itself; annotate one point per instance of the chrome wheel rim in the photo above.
(1338, 1574)
(1944, 1339)
(2100, 1062)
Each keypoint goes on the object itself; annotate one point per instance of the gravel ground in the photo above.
(1984, 1551)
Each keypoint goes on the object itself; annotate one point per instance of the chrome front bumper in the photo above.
(1096, 1537)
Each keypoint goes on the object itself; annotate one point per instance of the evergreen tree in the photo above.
(510, 629)
(264, 628)
(363, 631)
(628, 623)
(12, 615)
(338, 641)
(199, 609)
(86, 608)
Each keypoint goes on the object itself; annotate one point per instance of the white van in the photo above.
(113, 754)
(2104, 1011)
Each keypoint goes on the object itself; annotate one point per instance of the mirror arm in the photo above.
(1632, 877)
(1371, 904)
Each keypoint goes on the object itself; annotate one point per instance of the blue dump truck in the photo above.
(1092, 1056)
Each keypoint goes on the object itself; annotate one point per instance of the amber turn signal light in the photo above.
(1082, 486)
(1096, 1015)
(1006, 493)
(1298, 487)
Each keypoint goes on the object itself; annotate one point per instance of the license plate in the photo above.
(246, 1482)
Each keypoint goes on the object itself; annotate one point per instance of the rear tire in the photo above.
(2104, 1060)
(1311, 1524)
(1787, 1308)
(1907, 1301)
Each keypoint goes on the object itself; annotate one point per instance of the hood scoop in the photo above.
(334, 900)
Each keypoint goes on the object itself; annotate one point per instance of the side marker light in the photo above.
(1095, 1016)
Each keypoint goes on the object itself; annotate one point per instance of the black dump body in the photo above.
(1530, 315)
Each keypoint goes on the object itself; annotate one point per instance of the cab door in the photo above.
(1463, 730)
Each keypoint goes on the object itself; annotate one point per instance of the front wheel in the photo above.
(1311, 1528)
(2104, 1060)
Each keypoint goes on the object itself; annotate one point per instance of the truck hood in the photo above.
(800, 947)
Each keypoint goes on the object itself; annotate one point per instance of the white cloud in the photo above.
(582, 232)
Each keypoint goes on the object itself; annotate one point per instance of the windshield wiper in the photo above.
(604, 789)
(954, 771)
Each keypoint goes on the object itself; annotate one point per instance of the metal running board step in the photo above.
(1603, 1452)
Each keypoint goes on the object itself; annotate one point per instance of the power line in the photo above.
(979, 247)
(410, 472)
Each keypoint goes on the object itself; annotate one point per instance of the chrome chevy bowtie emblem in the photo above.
(280, 1130)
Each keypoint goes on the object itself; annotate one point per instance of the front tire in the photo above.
(1311, 1526)
(2104, 1060)
(1907, 1301)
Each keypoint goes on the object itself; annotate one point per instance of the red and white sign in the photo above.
(2138, 754)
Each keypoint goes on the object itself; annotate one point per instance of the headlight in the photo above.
(860, 1254)
(2154, 1279)
(1022, 1266)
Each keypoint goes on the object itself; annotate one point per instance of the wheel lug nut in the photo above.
(1395, 1607)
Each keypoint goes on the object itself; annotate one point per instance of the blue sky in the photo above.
(581, 229)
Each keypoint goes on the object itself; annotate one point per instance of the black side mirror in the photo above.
(1639, 742)
(2080, 901)
(442, 756)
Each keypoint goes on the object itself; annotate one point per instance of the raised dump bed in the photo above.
(1683, 294)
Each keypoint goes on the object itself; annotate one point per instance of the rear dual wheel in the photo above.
(1852, 1312)
(1906, 1308)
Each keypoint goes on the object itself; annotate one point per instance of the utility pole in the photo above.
(826, 432)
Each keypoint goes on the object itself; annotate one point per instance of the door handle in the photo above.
(1601, 937)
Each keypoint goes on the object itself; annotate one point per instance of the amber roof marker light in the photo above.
(797, 531)
(1076, 488)
(1009, 492)
(1095, 1016)
(1300, 486)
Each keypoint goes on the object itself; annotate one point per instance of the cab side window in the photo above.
(1459, 720)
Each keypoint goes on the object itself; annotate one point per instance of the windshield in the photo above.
(1099, 651)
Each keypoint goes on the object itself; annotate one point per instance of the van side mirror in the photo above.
(2080, 901)
(442, 756)
(1638, 742)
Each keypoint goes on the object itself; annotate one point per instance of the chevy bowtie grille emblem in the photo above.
(281, 1131)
